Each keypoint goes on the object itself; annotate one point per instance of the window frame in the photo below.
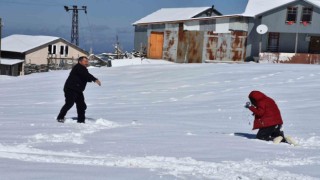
(54, 49)
(66, 50)
(309, 13)
(61, 50)
(292, 10)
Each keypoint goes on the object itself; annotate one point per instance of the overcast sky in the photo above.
(99, 27)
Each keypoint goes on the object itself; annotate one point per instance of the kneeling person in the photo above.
(267, 117)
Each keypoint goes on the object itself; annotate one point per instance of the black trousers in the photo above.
(71, 98)
(269, 133)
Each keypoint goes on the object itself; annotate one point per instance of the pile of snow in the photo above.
(137, 61)
(160, 121)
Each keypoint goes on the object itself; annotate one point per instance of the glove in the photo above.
(247, 105)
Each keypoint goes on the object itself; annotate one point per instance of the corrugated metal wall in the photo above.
(140, 37)
(198, 41)
(198, 46)
(191, 26)
(208, 25)
(225, 46)
(170, 45)
(190, 47)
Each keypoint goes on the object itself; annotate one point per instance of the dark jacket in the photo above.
(78, 78)
(266, 111)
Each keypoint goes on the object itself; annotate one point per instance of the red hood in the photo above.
(257, 95)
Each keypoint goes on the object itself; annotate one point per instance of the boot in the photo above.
(290, 140)
(81, 121)
(277, 140)
(60, 120)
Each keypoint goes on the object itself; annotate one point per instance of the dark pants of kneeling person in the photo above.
(71, 98)
(269, 133)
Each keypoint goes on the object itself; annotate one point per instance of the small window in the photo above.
(54, 49)
(49, 49)
(292, 14)
(61, 50)
(306, 14)
(66, 49)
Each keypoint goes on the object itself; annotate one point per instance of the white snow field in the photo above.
(161, 121)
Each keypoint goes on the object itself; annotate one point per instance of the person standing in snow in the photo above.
(74, 87)
(267, 117)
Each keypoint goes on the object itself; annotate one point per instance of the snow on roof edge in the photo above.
(25, 44)
(22, 43)
(253, 10)
(5, 61)
(155, 15)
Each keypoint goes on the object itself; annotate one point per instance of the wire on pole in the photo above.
(75, 22)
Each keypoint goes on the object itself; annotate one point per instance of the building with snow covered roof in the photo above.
(11, 67)
(293, 30)
(290, 33)
(39, 52)
(166, 32)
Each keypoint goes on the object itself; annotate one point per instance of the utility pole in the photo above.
(117, 47)
(75, 22)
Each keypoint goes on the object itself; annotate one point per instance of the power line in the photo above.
(90, 31)
(75, 22)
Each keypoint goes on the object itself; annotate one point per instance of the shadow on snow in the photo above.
(246, 135)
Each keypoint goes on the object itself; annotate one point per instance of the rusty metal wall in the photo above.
(225, 46)
(290, 58)
(190, 47)
(170, 45)
(238, 45)
(183, 46)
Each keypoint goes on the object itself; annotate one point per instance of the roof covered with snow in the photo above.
(314, 2)
(256, 7)
(23, 43)
(172, 14)
(10, 61)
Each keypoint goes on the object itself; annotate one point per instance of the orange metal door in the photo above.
(156, 45)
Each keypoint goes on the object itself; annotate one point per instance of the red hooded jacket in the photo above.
(266, 111)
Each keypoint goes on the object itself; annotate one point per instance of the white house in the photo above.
(39, 53)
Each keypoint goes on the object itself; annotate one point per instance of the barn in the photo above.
(192, 35)
(274, 31)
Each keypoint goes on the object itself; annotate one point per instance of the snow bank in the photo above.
(137, 61)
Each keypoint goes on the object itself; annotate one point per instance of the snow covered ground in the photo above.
(160, 121)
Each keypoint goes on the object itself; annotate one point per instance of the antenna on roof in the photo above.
(210, 11)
